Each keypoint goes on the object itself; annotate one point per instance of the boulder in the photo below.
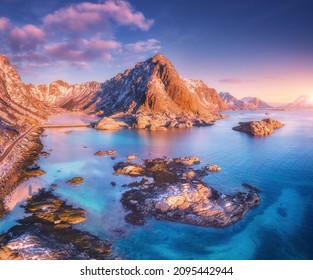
(107, 124)
(100, 153)
(131, 157)
(213, 168)
(75, 181)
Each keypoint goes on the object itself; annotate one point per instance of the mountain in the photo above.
(302, 102)
(60, 94)
(154, 88)
(256, 103)
(18, 109)
(208, 96)
(232, 102)
(246, 103)
(151, 90)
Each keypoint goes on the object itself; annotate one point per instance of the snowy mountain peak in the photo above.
(303, 101)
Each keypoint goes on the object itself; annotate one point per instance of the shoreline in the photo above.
(12, 168)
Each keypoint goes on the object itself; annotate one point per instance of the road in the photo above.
(9, 149)
(16, 141)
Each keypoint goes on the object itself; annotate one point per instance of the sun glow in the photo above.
(311, 98)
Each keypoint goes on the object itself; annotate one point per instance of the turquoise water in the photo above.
(281, 165)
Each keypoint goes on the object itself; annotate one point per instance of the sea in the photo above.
(281, 165)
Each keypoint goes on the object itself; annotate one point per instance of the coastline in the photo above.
(12, 168)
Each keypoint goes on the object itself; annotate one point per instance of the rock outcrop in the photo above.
(75, 181)
(176, 192)
(259, 128)
(47, 234)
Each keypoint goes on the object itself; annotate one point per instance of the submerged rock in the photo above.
(75, 181)
(48, 234)
(45, 154)
(100, 153)
(259, 128)
(178, 194)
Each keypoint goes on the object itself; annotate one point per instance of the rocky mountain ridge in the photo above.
(152, 89)
(246, 103)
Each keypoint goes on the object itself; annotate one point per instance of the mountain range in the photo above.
(150, 95)
(246, 103)
(152, 87)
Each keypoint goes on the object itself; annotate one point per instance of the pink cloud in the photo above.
(76, 35)
(79, 50)
(4, 23)
(83, 16)
(26, 38)
(103, 45)
(143, 46)
(80, 65)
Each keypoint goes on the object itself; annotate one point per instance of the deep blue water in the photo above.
(281, 165)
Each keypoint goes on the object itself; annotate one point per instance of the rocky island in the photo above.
(172, 190)
(259, 128)
(47, 234)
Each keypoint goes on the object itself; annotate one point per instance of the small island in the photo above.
(259, 128)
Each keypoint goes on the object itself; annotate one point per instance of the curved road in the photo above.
(9, 149)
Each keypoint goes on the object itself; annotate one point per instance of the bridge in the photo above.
(47, 125)
(8, 149)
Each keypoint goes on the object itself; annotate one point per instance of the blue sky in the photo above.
(257, 47)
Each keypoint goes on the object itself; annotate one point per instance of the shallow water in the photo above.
(281, 165)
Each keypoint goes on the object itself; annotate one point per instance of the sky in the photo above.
(259, 48)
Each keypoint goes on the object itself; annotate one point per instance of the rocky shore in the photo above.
(47, 234)
(172, 189)
(17, 165)
(155, 121)
(259, 128)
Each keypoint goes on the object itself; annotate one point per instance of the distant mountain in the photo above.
(247, 103)
(232, 102)
(256, 103)
(302, 102)
(60, 94)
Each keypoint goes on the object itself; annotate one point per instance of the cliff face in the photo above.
(60, 94)
(154, 86)
(209, 97)
(18, 109)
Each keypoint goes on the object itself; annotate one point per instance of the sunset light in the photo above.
(175, 132)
